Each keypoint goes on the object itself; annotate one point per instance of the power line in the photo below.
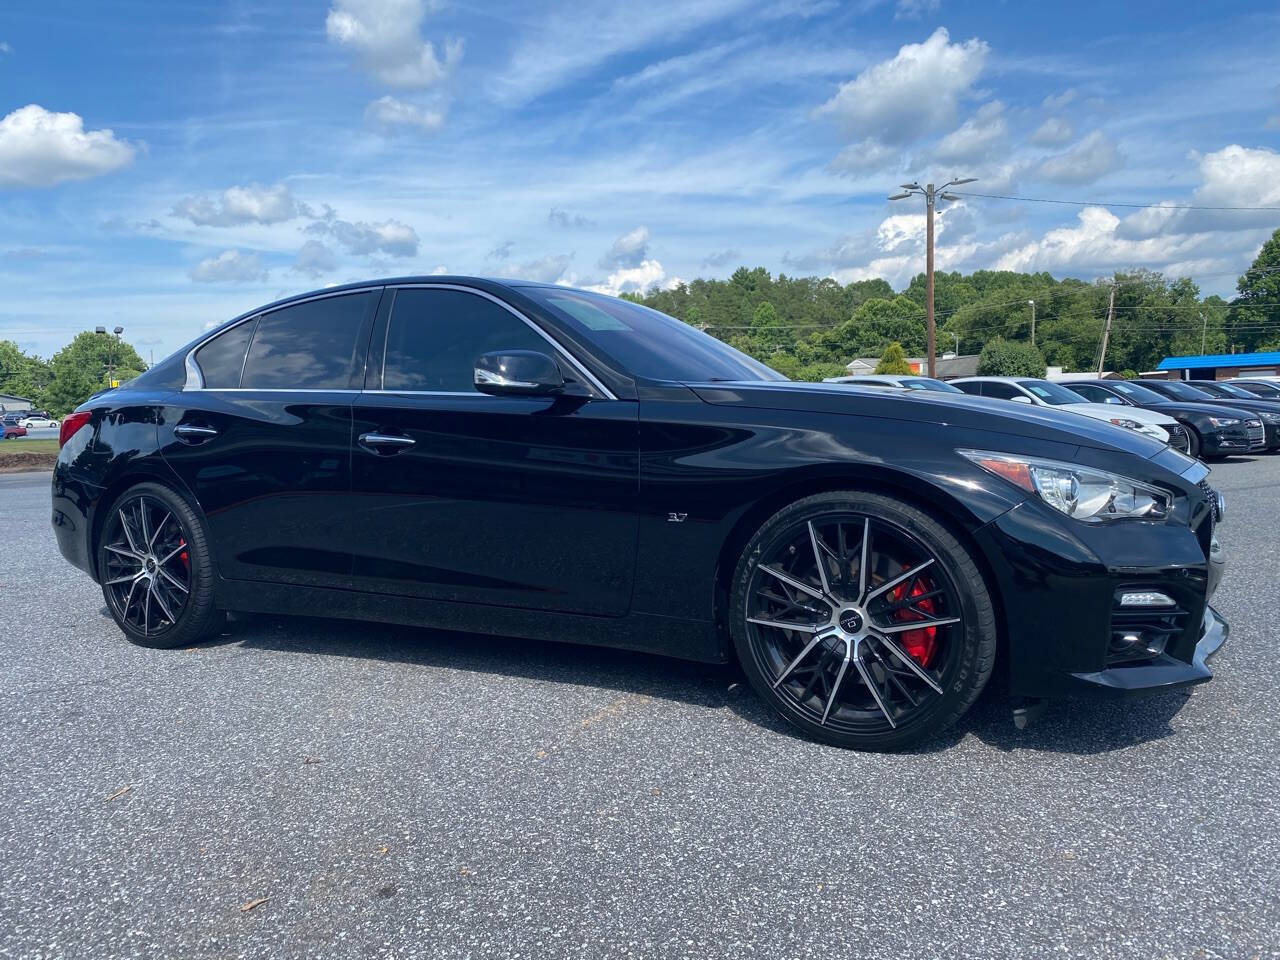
(1106, 203)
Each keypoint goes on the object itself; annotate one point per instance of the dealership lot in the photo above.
(399, 792)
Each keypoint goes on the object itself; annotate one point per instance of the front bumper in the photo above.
(1227, 441)
(1164, 672)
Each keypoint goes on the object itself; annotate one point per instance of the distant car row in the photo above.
(15, 422)
(1205, 419)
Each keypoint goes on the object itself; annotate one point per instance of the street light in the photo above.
(1033, 322)
(111, 355)
(931, 196)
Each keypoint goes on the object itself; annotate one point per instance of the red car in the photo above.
(12, 431)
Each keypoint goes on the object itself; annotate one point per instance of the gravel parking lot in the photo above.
(400, 792)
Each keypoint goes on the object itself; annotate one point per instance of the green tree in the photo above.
(1254, 317)
(894, 360)
(81, 368)
(21, 374)
(1007, 358)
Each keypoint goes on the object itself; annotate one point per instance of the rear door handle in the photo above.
(190, 433)
(385, 442)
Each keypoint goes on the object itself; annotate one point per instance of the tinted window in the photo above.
(1001, 391)
(435, 336)
(1179, 391)
(222, 358)
(973, 387)
(924, 383)
(1138, 393)
(1093, 394)
(1212, 389)
(311, 346)
(1260, 389)
(648, 343)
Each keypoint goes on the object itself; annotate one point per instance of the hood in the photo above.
(956, 409)
(1257, 406)
(1105, 411)
(1215, 409)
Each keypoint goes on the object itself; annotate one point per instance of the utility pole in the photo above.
(1033, 322)
(931, 195)
(1106, 330)
(1204, 331)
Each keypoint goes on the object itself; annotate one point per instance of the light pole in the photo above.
(1033, 322)
(111, 354)
(931, 195)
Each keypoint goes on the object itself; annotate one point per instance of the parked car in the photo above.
(1265, 422)
(1212, 430)
(12, 431)
(1043, 393)
(38, 423)
(1263, 389)
(896, 381)
(550, 463)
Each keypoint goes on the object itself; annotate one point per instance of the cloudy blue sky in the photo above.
(166, 165)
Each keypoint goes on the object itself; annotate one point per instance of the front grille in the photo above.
(1212, 496)
(1178, 438)
(1257, 434)
(1140, 634)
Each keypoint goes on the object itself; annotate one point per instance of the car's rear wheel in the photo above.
(862, 620)
(157, 576)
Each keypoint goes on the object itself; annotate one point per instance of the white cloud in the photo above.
(39, 149)
(439, 270)
(548, 269)
(386, 34)
(865, 156)
(240, 205)
(1095, 244)
(390, 236)
(912, 94)
(5, 48)
(635, 279)
(629, 250)
(915, 9)
(1052, 132)
(562, 218)
(315, 259)
(1054, 103)
(1093, 157)
(230, 266)
(500, 251)
(389, 114)
(974, 139)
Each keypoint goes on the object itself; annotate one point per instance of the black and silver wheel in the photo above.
(154, 565)
(862, 620)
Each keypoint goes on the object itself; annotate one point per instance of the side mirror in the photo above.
(518, 373)
(1020, 399)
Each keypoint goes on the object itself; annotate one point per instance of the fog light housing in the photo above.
(1146, 599)
(1136, 645)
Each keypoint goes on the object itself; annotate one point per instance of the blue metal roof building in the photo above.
(1233, 361)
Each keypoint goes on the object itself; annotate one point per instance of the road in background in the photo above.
(402, 792)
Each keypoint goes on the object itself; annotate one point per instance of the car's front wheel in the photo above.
(156, 572)
(862, 620)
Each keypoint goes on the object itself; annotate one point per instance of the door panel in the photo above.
(517, 501)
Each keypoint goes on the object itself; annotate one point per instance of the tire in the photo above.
(1193, 443)
(160, 593)
(856, 674)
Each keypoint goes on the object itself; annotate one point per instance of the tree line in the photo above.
(809, 328)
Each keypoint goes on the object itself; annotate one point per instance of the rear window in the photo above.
(309, 346)
(222, 358)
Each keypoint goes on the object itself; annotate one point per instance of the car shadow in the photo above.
(1079, 727)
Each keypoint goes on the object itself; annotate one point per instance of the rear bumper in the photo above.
(1163, 673)
(73, 504)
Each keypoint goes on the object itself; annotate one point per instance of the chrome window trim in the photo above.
(193, 369)
(557, 349)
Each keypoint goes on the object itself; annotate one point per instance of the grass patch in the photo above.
(23, 445)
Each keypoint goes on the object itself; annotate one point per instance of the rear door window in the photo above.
(221, 359)
(1001, 391)
(309, 346)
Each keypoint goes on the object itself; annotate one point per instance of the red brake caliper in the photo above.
(923, 643)
(186, 561)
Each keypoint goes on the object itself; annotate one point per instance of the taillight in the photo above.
(70, 424)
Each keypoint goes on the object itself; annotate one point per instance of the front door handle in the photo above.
(190, 433)
(385, 443)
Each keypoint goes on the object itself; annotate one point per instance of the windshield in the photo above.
(1051, 392)
(1180, 391)
(1137, 392)
(1231, 390)
(1259, 388)
(924, 383)
(648, 343)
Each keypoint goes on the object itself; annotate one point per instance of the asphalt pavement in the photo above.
(393, 792)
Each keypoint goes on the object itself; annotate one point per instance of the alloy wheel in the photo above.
(147, 570)
(854, 621)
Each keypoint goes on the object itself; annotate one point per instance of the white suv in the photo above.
(1043, 393)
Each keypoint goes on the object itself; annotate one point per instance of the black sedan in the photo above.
(1212, 429)
(1262, 389)
(550, 463)
(1266, 412)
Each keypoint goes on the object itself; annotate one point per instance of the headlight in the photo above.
(1084, 493)
(1127, 424)
(1223, 421)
